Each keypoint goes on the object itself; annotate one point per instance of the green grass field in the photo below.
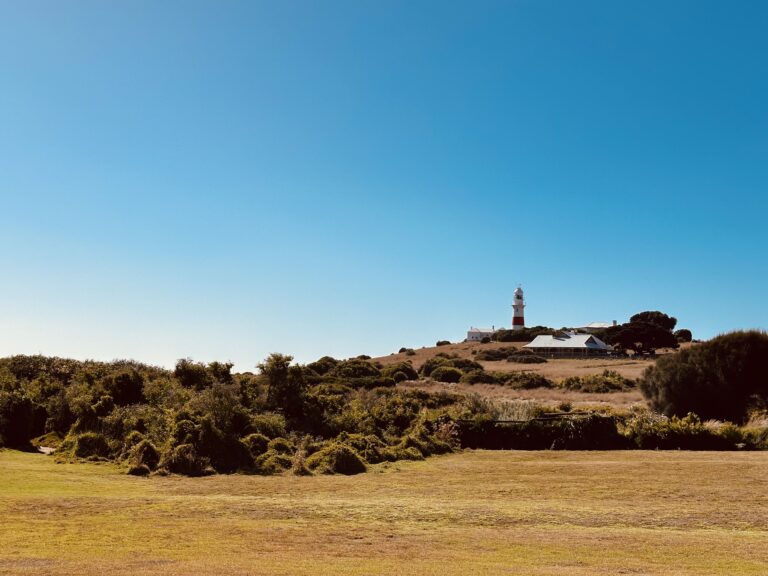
(563, 513)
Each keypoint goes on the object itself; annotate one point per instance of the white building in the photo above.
(477, 334)
(569, 344)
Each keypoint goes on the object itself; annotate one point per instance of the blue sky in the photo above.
(222, 180)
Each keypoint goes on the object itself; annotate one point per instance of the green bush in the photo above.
(269, 424)
(90, 445)
(272, 462)
(256, 444)
(608, 381)
(394, 453)
(721, 379)
(281, 446)
(527, 380)
(481, 377)
(184, 459)
(447, 374)
(145, 454)
(526, 359)
(336, 458)
(404, 367)
(442, 343)
(648, 430)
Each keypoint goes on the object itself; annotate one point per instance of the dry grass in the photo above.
(546, 396)
(554, 369)
(533, 513)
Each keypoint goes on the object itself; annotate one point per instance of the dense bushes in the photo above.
(720, 379)
(521, 335)
(510, 354)
(608, 381)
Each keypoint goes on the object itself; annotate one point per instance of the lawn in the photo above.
(564, 513)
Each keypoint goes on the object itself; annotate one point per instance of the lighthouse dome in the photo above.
(518, 290)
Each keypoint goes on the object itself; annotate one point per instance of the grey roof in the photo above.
(597, 325)
(568, 340)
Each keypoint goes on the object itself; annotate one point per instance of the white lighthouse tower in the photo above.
(518, 317)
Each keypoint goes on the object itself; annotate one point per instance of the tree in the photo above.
(683, 335)
(655, 317)
(723, 378)
(285, 391)
(641, 337)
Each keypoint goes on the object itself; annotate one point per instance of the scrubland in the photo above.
(477, 512)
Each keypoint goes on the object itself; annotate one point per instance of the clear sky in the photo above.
(222, 180)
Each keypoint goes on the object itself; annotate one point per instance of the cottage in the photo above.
(569, 344)
(477, 334)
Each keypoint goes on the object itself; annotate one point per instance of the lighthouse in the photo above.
(518, 317)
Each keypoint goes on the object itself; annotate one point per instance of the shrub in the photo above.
(15, 419)
(720, 379)
(608, 381)
(649, 430)
(269, 424)
(139, 470)
(272, 462)
(485, 340)
(406, 368)
(336, 458)
(369, 447)
(184, 459)
(683, 335)
(526, 359)
(256, 444)
(90, 445)
(442, 343)
(527, 380)
(447, 374)
(478, 377)
(145, 454)
(410, 352)
(281, 446)
(394, 453)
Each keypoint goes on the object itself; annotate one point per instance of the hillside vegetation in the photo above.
(342, 416)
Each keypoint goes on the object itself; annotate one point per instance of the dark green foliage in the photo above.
(510, 354)
(594, 432)
(656, 318)
(192, 374)
(281, 446)
(272, 462)
(523, 335)
(256, 444)
(270, 424)
(410, 352)
(145, 454)
(720, 379)
(139, 470)
(405, 368)
(184, 459)
(286, 385)
(125, 387)
(526, 380)
(447, 374)
(323, 365)
(639, 337)
(683, 335)
(90, 444)
(355, 368)
(608, 381)
(371, 448)
(481, 377)
(442, 343)
(485, 340)
(15, 419)
(448, 360)
(336, 458)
